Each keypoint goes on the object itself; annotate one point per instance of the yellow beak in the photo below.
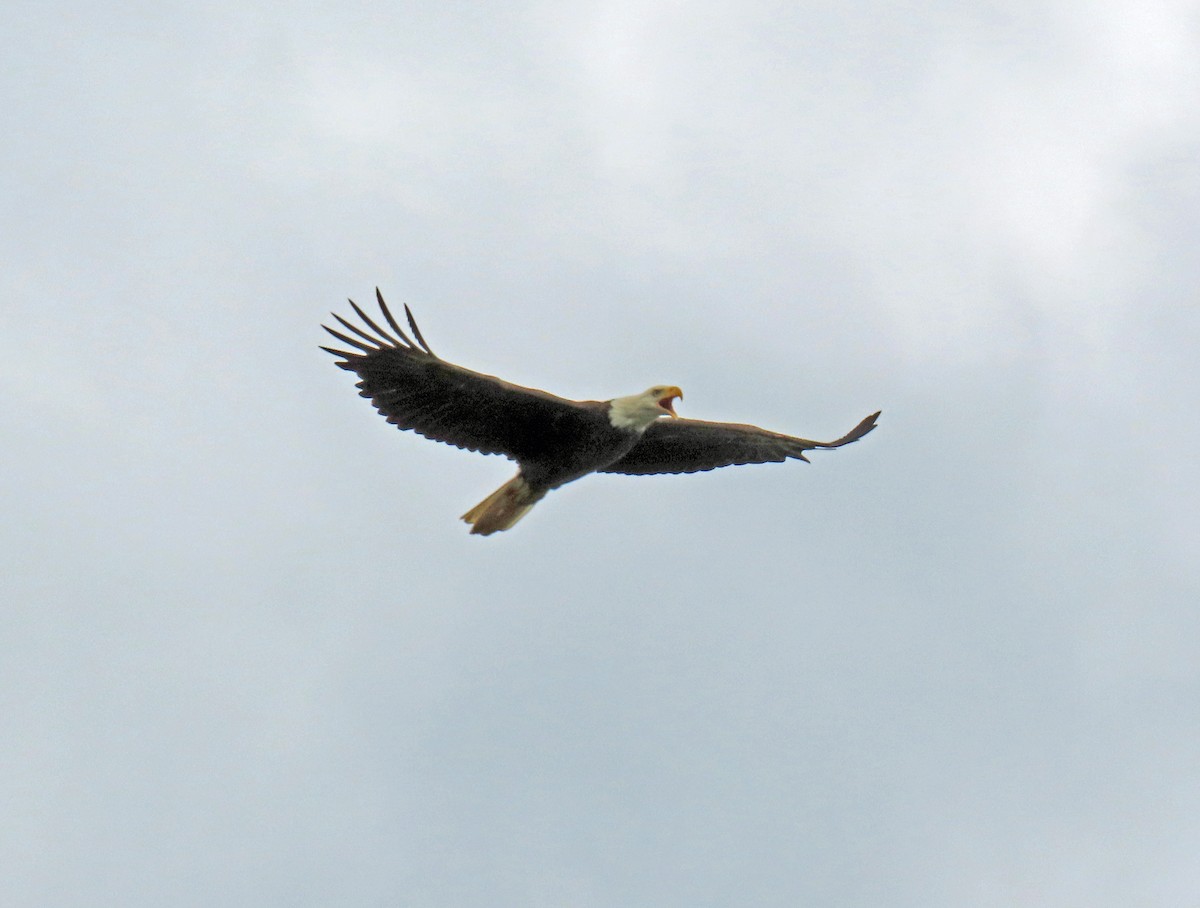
(666, 400)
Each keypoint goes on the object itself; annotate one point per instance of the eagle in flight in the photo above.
(553, 440)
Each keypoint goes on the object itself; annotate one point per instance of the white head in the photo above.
(639, 410)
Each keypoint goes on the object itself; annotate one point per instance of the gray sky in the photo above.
(251, 657)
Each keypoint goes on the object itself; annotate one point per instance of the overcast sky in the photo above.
(249, 655)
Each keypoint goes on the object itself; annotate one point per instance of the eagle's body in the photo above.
(553, 440)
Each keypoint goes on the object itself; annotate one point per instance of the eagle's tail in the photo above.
(504, 507)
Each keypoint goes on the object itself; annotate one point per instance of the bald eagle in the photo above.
(553, 440)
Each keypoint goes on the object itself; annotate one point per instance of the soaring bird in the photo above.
(552, 439)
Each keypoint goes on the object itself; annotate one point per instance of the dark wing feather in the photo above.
(692, 445)
(415, 389)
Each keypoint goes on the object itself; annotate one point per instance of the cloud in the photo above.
(249, 642)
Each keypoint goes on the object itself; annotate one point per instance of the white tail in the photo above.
(503, 508)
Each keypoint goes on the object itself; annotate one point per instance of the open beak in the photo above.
(666, 401)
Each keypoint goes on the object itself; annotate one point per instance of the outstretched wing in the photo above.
(692, 445)
(415, 389)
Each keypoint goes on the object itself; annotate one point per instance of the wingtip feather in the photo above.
(350, 326)
(412, 322)
(391, 319)
(866, 425)
(863, 428)
(345, 360)
(366, 348)
(374, 327)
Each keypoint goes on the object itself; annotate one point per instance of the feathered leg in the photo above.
(504, 507)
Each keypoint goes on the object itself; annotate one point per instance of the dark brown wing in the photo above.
(692, 445)
(415, 389)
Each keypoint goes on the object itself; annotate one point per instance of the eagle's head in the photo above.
(639, 410)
